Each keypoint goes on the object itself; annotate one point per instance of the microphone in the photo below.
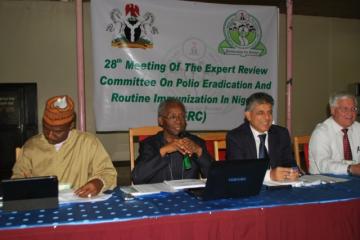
(186, 157)
(187, 162)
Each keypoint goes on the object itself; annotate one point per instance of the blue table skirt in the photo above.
(116, 209)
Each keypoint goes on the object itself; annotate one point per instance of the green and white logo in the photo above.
(242, 36)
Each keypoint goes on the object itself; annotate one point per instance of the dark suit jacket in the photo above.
(240, 144)
(150, 167)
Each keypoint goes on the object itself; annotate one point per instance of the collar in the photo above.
(58, 145)
(257, 133)
(338, 128)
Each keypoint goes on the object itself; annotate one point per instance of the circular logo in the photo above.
(242, 30)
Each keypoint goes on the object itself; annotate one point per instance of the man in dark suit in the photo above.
(257, 137)
(173, 153)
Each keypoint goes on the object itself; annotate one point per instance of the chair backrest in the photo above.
(219, 147)
(17, 153)
(140, 133)
(301, 143)
(209, 138)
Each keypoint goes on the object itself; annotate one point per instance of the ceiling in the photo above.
(325, 8)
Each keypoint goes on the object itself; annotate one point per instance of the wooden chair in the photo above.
(140, 133)
(219, 145)
(210, 138)
(301, 144)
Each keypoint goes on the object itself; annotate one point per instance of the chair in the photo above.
(18, 151)
(209, 138)
(140, 133)
(219, 147)
(301, 144)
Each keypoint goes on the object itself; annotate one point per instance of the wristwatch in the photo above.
(349, 170)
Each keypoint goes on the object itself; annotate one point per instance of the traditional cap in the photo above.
(59, 110)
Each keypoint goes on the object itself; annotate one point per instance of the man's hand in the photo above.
(284, 174)
(355, 169)
(90, 189)
(191, 147)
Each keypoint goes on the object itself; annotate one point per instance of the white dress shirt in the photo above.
(257, 140)
(326, 153)
(257, 143)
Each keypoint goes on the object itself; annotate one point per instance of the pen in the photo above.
(277, 187)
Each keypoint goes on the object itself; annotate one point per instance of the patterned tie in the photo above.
(262, 147)
(346, 145)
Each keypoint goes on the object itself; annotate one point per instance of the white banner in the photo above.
(210, 56)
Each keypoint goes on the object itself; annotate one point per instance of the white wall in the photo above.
(37, 44)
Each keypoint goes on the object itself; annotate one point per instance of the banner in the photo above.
(210, 56)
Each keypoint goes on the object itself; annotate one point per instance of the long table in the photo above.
(330, 211)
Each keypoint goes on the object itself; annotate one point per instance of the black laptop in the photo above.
(30, 193)
(233, 179)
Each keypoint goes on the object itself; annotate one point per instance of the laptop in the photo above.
(233, 179)
(30, 193)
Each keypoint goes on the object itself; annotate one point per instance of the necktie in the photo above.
(262, 147)
(346, 145)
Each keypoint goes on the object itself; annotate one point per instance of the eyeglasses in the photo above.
(175, 117)
(346, 110)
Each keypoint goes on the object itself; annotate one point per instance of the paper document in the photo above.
(279, 183)
(306, 180)
(68, 196)
(316, 179)
(186, 183)
(145, 189)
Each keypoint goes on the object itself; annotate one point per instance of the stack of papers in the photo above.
(144, 189)
(166, 186)
(272, 183)
(186, 183)
(317, 179)
(306, 180)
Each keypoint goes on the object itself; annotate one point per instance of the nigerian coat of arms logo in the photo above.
(131, 29)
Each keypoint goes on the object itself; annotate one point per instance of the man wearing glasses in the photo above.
(172, 153)
(335, 143)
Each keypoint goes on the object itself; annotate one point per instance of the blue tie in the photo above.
(262, 147)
